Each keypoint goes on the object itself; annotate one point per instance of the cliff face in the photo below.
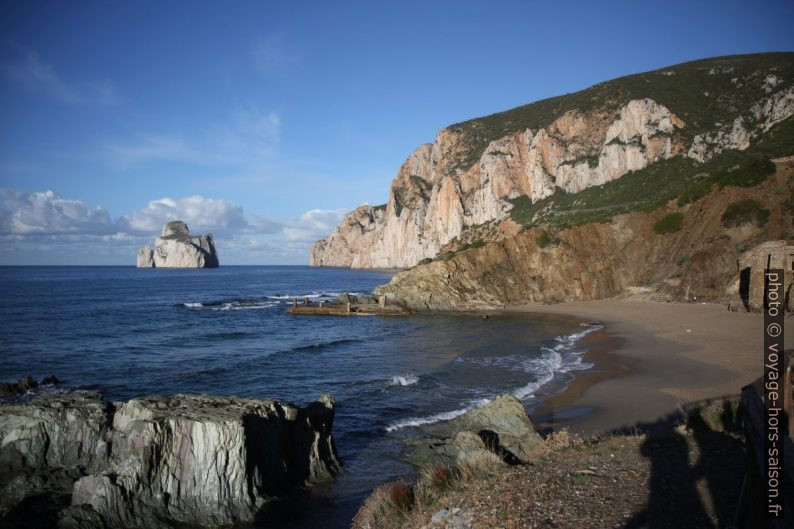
(430, 203)
(701, 260)
(469, 175)
(157, 461)
(177, 248)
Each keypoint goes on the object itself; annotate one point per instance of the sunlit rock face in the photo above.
(447, 187)
(431, 201)
(177, 248)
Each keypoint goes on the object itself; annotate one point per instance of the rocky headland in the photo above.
(79, 461)
(671, 180)
(177, 248)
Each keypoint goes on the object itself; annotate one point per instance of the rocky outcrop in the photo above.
(177, 248)
(429, 205)
(25, 384)
(500, 428)
(737, 135)
(449, 186)
(159, 461)
(597, 260)
(353, 236)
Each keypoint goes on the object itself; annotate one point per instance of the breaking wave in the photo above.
(561, 356)
(407, 380)
(436, 417)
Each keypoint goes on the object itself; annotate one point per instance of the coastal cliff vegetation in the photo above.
(628, 145)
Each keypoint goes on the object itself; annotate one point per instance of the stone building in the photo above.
(751, 266)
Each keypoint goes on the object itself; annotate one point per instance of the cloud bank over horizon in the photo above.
(46, 228)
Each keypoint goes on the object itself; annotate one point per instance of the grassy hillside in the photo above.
(699, 92)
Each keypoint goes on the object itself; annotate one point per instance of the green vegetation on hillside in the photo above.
(655, 185)
(748, 173)
(745, 212)
(545, 240)
(670, 223)
(701, 93)
(474, 244)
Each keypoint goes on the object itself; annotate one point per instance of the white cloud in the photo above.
(198, 212)
(314, 224)
(36, 223)
(271, 56)
(37, 76)
(47, 213)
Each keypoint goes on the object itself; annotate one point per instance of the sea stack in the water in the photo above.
(177, 248)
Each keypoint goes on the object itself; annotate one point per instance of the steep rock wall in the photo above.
(160, 461)
(431, 202)
(598, 260)
(433, 199)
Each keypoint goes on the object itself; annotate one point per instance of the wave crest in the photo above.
(407, 380)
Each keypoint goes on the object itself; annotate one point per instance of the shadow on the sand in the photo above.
(697, 460)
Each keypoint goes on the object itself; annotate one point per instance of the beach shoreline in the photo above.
(650, 359)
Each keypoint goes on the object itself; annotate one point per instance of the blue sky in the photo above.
(264, 121)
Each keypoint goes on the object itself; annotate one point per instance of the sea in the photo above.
(128, 332)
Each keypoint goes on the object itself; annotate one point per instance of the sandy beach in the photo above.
(652, 357)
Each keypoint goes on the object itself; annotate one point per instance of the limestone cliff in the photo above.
(177, 248)
(474, 170)
(701, 258)
(157, 462)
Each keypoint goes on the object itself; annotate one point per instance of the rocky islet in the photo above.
(177, 248)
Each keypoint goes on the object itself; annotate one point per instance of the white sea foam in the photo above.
(193, 305)
(234, 305)
(545, 368)
(313, 295)
(561, 357)
(437, 417)
(407, 380)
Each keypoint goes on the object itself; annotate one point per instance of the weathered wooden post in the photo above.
(294, 302)
(347, 308)
(382, 301)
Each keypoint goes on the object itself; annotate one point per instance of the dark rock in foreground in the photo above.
(80, 461)
(24, 384)
(501, 427)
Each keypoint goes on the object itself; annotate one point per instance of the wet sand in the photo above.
(651, 358)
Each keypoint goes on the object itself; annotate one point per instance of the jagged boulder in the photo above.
(64, 431)
(159, 461)
(177, 248)
(501, 427)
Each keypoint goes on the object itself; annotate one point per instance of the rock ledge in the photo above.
(76, 460)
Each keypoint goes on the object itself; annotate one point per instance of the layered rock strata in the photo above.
(159, 461)
(438, 193)
(702, 260)
(177, 248)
